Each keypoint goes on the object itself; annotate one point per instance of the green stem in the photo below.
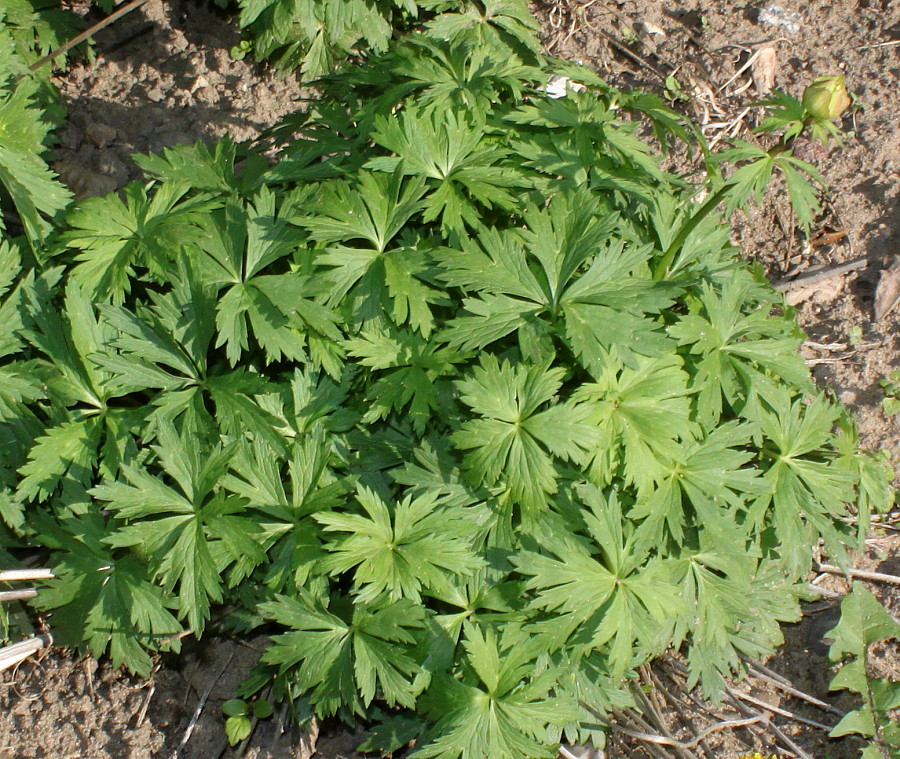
(711, 202)
(710, 205)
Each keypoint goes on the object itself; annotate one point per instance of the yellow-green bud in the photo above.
(826, 97)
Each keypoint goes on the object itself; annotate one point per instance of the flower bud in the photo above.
(826, 98)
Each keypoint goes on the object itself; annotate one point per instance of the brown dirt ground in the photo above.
(163, 76)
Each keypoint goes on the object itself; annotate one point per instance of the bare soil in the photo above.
(163, 76)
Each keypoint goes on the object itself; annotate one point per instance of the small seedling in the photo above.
(240, 716)
(674, 90)
(891, 385)
(241, 50)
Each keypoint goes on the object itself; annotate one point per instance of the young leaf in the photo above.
(102, 598)
(500, 709)
(396, 552)
(191, 532)
(513, 444)
(343, 664)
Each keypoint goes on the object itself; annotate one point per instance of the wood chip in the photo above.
(887, 294)
(306, 747)
(763, 70)
(646, 29)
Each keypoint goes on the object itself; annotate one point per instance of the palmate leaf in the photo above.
(611, 595)
(164, 345)
(145, 230)
(377, 273)
(32, 186)
(341, 664)
(808, 492)
(507, 26)
(397, 552)
(462, 73)
(243, 241)
(579, 138)
(191, 532)
(89, 435)
(559, 272)
(314, 35)
(157, 348)
(67, 452)
(751, 179)
(292, 540)
(66, 339)
(639, 415)
(453, 154)
(14, 282)
(734, 346)
(20, 382)
(513, 444)
(500, 708)
(707, 483)
(409, 371)
(204, 167)
(373, 210)
(102, 598)
(736, 605)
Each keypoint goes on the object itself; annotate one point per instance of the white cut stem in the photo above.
(14, 575)
(17, 595)
(17, 652)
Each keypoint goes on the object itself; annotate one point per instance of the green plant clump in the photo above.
(311, 37)
(865, 622)
(463, 404)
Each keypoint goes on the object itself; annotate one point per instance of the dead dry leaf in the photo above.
(818, 292)
(887, 294)
(763, 70)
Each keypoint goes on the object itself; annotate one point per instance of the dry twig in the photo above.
(16, 653)
(763, 672)
(826, 272)
(777, 709)
(17, 595)
(662, 740)
(199, 709)
(859, 574)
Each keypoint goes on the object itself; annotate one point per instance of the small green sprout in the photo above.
(891, 385)
(239, 723)
(674, 90)
(241, 50)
